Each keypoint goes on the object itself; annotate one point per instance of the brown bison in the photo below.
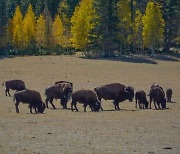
(31, 97)
(115, 91)
(169, 93)
(86, 97)
(14, 85)
(60, 91)
(157, 95)
(140, 97)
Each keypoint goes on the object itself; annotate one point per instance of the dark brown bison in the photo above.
(115, 91)
(140, 97)
(85, 97)
(60, 91)
(169, 93)
(157, 95)
(31, 97)
(14, 85)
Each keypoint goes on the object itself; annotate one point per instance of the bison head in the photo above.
(129, 93)
(67, 90)
(41, 108)
(146, 103)
(96, 106)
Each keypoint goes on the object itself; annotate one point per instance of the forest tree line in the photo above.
(95, 27)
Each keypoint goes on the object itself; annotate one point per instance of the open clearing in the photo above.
(63, 131)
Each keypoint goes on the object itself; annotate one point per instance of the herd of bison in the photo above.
(63, 90)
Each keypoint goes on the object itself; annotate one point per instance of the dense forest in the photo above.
(95, 27)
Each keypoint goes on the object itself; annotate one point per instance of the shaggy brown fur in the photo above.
(169, 93)
(157, 95)
(31, 97)
(14, 85)
(115, 91)
(86, 97)
(140, 97)
(60, 91)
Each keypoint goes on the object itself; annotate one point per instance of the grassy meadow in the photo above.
(129, 130)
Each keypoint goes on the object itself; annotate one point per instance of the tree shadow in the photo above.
(128, 58)
(7, 56)
(168, 57)
(173, 57)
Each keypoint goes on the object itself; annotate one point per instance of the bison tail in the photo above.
(14, 99)
(3, 83)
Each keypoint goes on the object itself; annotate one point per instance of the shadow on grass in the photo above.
(4, 57)
(143, 58)
(170, 57)
(129, 59)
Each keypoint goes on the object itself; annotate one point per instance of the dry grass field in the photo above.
(129, 130)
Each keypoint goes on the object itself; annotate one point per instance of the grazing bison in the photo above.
(86, 97)
(140, 97)
(157, 95)
(169, 95)
(31, 97)
(59, 91)
(14, 85)
(115, 91)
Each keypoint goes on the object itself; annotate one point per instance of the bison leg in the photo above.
(85, 105)
(74, 104)
(64, 103)
(30, 107)
(136, 104)
(150, 102)
(51, 101)
(16, 106)
(139, 103)
(47, 102)
(155, 105)
(116, 105)
(7, 92)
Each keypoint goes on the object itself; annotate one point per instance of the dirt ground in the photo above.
(129, 130)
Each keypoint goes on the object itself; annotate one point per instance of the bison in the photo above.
(140, 97)
(115, 91)
(14, 85)
(31, 97)
(86, 97)
(169, 95)
(157, 95)
(61, 91)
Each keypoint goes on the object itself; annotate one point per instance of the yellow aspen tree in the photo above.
(153, 26)
(29, 27)
(40, 34)
(137, 30)
(57, 30)
(82, 24)
(17, 39)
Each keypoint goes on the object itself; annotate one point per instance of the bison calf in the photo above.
(31, 97)
(14, 85)
(140, 97)
(169, 95)
(86, 97)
